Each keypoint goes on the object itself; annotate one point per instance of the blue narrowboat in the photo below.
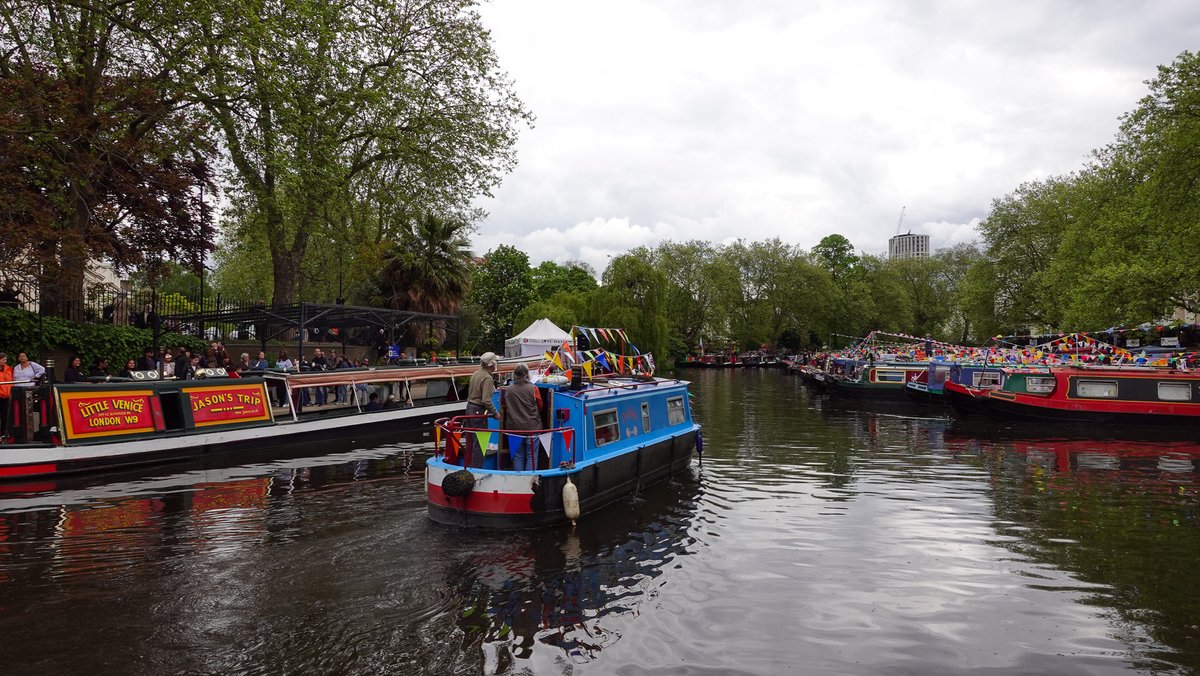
(602, 439)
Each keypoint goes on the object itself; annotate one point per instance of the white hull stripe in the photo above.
(10, 457)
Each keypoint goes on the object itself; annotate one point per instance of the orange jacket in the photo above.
(6, 376)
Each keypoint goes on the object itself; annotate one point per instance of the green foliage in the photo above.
(501, 287)
(633, 298)
(366, 114)
(550, 278)
(835, 254)
(22, 331)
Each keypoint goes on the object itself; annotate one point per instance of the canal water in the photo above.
(813, 539)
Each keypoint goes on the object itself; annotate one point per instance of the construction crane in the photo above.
(900, 221)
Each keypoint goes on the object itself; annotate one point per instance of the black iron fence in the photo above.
(224, 319)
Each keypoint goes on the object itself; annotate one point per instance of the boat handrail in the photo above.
(452, 427)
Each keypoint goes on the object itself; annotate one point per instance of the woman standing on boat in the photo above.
(479, 401)
(522, 406)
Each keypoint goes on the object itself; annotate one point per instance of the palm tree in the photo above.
(428, 270)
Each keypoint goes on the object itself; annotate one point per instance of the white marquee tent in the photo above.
(538, 338)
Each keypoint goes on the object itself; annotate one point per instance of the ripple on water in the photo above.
(815, 539)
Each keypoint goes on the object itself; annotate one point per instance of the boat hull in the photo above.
(21, 462)
(512, 500)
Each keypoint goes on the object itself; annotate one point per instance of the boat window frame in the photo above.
(615, 425)
(978, 377)
(1112, 393)
(645, 417)
(902, 376)
(675, 408)
(1184, 388)
(1037, 384)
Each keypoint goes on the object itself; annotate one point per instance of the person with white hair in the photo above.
(479, 400)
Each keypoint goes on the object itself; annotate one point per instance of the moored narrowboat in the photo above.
(62, 428)
(1094, 394)
(930, 391)
(879, 381)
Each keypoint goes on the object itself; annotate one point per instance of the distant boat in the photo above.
(930, 391)
(881, 381)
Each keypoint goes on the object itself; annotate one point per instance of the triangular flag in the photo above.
(587, 368)
(635, 348)
(484, 438)
(514, 441)
(568, 437)
(437, 437)
(558, 362)
(546, 438)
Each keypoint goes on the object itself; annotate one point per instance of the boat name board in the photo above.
(225, 404)
(87, 414)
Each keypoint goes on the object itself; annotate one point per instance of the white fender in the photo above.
(571, 501)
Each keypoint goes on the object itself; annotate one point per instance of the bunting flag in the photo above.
(587, 368)
(546, 438)
(635, 350)
(514, 442)
(568, 437)
(454, 444)
(437, 436)
(484, 438)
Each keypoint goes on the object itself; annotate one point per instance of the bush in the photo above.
(22, 331)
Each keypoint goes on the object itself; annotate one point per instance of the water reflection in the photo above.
(817, 538)
(570, 589)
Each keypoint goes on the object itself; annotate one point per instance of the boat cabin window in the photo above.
(645, 416)
(888, 376)
(1098, 389)
(1039, 385)
(1175, 391)
(986, 379)
(675, 410)
(605, 425)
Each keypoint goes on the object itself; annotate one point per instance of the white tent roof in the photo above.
(535, 339)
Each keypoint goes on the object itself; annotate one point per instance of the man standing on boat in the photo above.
(522, 405)
(479, 401)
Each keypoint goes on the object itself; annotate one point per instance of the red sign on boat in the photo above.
(225, 404)
(97, 414)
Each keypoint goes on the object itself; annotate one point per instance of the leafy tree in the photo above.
(501, 287)
(320, 102)
(1132, 255)
(698, 279)
(100, 159)
(1022, 233)
(572, 277)
(954, 264)
(835, 254)
(633, 297)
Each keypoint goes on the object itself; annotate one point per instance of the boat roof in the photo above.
(380, 374)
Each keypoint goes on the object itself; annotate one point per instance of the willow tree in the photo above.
(313, 99)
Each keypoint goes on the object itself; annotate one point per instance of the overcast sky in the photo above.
(720, 119)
